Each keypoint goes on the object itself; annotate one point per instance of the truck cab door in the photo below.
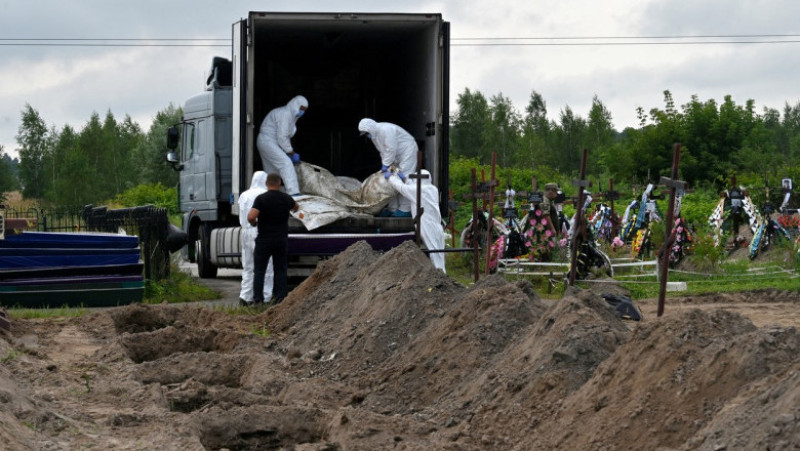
(193, 183)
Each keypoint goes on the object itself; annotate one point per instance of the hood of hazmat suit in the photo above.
(258, 185)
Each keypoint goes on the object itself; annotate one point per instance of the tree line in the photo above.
(718, 140)
(107, 156)
(91, 165)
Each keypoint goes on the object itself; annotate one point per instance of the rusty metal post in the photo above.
(475, 232)
(451, 217)
(483, 183)
(420, 209)
(579, 220)
(492, 182)
(615, 223)
(673, 183)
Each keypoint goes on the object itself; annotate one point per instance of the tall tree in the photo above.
(599, 133)
(535, 134)
(505, 130)
(8, 179)
(70, 177)
(150, 156)
(130, 140)
(32, 138)
(92, 144)
(569, 138)
(471, 123)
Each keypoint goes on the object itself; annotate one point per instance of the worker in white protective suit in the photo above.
(397, 148)
(431, 229)
(249, 233)
(275, 145)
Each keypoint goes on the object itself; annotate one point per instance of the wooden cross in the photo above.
(580, 223)
(674, 184)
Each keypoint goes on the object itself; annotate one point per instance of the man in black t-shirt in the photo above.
(270, 214)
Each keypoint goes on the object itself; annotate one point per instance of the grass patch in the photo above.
(261, 331)
(47, 312)
(732, 276)
(178, 287)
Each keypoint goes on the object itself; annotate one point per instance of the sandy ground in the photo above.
(379, 351)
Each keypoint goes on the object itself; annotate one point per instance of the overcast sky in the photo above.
(67, 83)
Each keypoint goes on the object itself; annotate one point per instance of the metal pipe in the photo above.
(489, 224)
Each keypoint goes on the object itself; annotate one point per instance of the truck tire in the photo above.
(205, 269)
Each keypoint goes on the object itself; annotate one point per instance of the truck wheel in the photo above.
(205, 269)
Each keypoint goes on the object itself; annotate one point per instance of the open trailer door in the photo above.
(242, 165)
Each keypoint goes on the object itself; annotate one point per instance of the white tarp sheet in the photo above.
(327, 198)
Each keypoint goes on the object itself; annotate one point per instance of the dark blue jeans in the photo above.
(277, 249)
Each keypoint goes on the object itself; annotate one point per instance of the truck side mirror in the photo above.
(172, 137)
(172, 158)
(172, 143)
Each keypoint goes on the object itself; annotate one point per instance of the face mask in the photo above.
(300, 113)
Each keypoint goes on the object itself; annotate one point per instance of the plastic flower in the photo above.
(562, 242)
(548, 233)
(544, 221)
(538, 212)
(533, 222)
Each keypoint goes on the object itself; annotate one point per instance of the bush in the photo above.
(149, 194)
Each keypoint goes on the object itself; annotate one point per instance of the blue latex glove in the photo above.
(384, 168)
(295, 157)
(387, 174)
(402, 176)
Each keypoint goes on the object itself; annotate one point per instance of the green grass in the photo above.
(262, 331)
(776, 268)
(178, 287)
(715, 284)
(47, 312)
(776, 272)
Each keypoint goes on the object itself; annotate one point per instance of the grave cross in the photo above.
(580, 223)
(669, 238)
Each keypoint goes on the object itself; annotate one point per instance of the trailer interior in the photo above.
(348, 67)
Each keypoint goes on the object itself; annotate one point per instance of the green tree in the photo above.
(150, 162)
(8, 179)
(600, 134)
(535, 134)
(91, 145)
(69, 176)
(470, 125)
(568, 140)
(504, 132)
(32, 137)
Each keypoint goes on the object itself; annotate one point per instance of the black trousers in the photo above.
(277, 249)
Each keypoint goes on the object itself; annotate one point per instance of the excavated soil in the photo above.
(380, 351)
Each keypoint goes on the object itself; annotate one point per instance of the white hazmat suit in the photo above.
(249, 233)
(274, 142)
(431, 230)
(397, 148)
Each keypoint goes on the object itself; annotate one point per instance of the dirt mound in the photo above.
(682, 382)
(381, 351)
(360, 308)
